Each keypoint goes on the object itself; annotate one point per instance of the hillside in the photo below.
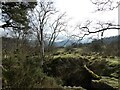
(106, 40)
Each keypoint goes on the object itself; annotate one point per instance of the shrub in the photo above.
(25, 73)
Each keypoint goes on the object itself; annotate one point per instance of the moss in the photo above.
(104, 56)
(94, 76)
(110, 81)
(114, 75)
(74, 56)
(113, 62)
(112, 57)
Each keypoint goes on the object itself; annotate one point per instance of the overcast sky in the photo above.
(82, 10)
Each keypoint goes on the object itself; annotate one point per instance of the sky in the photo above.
(81, 10)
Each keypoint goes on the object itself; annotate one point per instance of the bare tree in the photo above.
(39, 19)
(43, 20)
(101, 5)
(101, 27)
(59, 25)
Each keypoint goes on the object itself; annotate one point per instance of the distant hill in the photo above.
(107, 40)
(67, 42)
(111, 39)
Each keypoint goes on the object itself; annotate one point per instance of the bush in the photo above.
(25, 73)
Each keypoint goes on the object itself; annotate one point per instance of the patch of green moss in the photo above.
(74, 56)
(113, 62)
(110, 81)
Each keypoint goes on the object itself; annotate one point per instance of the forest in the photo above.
(33, 56)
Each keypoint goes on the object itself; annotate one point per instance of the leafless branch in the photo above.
(57, 26)
(103, 5)
(103, 27)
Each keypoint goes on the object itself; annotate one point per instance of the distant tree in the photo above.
(96, 46)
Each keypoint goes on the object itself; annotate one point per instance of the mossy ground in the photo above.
(62, 64)
(105, 66)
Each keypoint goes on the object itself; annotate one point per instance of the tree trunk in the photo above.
(42, 47)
